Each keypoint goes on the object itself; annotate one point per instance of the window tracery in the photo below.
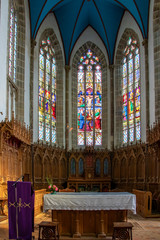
(89, 107)
(131, 92)
(47, 92)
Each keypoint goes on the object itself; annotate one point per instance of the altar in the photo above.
(89, 213)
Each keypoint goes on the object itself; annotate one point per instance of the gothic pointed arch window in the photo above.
(12, 59)
(47, 92)
(131, 92)
(89, 107)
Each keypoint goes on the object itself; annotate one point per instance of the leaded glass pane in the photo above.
(98, 138)
(80, 138)
(12, 44)
(89, 104)
(47, 91)
(137, 61)
(89, 138)
(125, 136)
(138, 132)
(131, 134)
(131, 92)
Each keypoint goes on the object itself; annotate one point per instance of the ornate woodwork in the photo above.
(93, 176)
(49, 162)
(14, 152)
(130, 167)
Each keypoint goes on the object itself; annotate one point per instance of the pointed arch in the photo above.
(128, 89)
(16, 57)
(79, 55)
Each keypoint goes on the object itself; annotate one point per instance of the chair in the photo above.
(48, 231)
(122, 230)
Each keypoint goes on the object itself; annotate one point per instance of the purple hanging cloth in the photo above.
(20, 210)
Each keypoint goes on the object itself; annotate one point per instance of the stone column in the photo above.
(33, 44)
(145, 44)
(67, 127)
(111, 68)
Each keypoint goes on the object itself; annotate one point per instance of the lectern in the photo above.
(20, 210)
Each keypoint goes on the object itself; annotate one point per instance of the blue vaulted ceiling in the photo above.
(74, 16)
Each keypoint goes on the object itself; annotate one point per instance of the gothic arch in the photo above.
(38, 170)
(20, 66)
(47, 171)
(131, 168)
(118, 76)
(140, 168)
(116, 169)
(55, 168)
(49, 32)
(76, 59)
(123, 169)
(63, 168)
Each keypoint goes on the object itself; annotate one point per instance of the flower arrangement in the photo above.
(51, 187)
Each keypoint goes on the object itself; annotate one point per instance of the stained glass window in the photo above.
(47, 92)
(12, 44)
(131, 92)
(89, 107)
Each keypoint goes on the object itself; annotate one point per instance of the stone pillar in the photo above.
(111, 68)
(33, 44)
(145, 44)
(67, 127)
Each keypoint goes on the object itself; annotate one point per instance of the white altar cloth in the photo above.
(90, 201)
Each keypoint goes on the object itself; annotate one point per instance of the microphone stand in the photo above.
(16, 204)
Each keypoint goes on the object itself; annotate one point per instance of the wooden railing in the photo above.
(143, 202)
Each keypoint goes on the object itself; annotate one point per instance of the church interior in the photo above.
(79, 97)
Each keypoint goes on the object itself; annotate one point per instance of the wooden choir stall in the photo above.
(82, 214)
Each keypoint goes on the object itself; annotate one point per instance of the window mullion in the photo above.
(134, 95)
(85, 72)
(51, 100)
(44, 96)
(93, 107)
(127, 99)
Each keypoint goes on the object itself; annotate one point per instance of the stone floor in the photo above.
(143, 228)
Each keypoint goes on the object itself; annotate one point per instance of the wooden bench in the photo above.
(122, 230)
(48, 230)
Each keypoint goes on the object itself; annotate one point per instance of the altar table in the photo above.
(89, 213)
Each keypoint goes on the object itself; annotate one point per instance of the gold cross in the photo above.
(19, 204)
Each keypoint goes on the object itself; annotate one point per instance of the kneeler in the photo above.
(20, 210)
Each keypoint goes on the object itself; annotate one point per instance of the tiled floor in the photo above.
(143, 228)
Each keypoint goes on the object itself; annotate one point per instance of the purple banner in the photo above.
(20, 210)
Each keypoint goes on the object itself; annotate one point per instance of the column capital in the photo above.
(33, 43)
(111, 66)
(67, 68)
(145, 42)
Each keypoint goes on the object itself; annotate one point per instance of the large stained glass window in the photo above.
(131, 92)
(89, 107)
(47, 92)
(12, 44)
